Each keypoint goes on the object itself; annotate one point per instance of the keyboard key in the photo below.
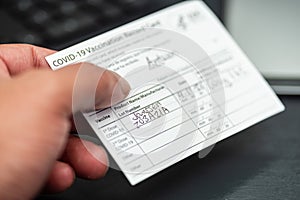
(28, 37)
(70, 25)
(54, 32)
(96, 4)
(51, 1)
(74, 24)
(24, 5)
(131, 5)
(68, 7)
(110, 11)
(40, 17)
(49, 4)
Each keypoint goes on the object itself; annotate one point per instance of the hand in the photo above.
(36, 150)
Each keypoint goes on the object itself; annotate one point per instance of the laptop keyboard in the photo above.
(60, 23)
(51, 22)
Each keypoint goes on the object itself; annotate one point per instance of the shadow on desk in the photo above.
(262, 162)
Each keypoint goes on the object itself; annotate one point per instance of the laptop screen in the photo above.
(269, 32)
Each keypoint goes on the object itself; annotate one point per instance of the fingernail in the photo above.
(105, 156)
(121, 90)
(125, 86)
(99, 153)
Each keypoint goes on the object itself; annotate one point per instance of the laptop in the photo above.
(268, 31)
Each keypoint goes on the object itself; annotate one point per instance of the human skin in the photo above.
(36, 150)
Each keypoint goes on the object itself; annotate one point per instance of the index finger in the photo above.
(16, 58)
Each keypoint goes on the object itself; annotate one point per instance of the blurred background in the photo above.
(60, 23)
(267, 30)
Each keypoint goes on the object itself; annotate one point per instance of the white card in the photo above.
(192, 87)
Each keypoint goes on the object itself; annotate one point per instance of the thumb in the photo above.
(41, 101)
(83, 86)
